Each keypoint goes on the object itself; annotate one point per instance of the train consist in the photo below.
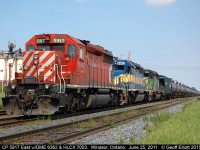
(61, 73)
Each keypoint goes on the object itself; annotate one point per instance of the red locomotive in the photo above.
(60, 73)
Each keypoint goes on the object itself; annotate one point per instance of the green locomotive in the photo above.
(152, 84)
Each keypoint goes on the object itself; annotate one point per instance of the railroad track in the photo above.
(141, 112)
(67, 132)
(12, 121)
(2, 113)
(9, 122)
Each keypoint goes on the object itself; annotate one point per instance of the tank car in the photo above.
(179, 90)
(173, 89)
(61, 74)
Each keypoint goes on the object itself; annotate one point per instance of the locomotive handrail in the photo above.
(63, 77)
(56, 66)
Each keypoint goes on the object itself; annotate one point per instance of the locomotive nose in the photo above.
(40, 64)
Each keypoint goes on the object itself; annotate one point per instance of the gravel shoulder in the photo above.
(126, 132)
(123, 134)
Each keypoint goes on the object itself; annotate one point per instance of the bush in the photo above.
(2, 89)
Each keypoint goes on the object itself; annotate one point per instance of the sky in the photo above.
(161, 35)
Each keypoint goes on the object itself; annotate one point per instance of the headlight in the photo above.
(46, 86)
(13, 86)
(35, 62)
(35, 57)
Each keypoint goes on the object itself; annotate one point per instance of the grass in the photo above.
(1, 105)
(121, 141)
(2, 90)
(180, 128)
(88, 124)
(49, 118)
(111, 121)
(37, 122)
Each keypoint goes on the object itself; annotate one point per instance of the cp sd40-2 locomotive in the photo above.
(61, 73)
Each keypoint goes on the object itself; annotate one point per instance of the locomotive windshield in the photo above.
(118, 67)
(44, 47)
(56, 47)
(162, 82)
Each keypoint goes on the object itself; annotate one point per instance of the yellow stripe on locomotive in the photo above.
(127, 78)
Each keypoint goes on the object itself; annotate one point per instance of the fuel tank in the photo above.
(139, 97)
(97, 100)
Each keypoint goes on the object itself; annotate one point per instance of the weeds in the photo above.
(52, 143)
(179, 128)
(1, 104)
(133, 140)
(37, 122)
(149, 128)
(121, 141)
(160, 118)
(111, 121)
(90, 123)
(49, 118)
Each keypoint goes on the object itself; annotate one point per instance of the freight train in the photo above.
(64, 74)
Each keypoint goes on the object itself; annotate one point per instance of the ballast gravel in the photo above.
(126, 132)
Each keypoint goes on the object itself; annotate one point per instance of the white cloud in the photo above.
(159, 2)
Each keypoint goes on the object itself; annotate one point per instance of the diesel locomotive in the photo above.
(64, 74)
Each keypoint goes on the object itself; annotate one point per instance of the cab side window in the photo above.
(71, 51)
(81, 54)
(30, 47)
(128, 69)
